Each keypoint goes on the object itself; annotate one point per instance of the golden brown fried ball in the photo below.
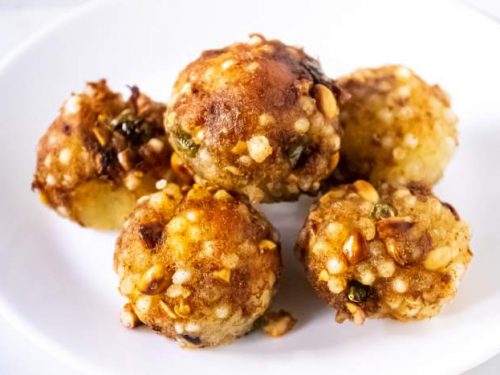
(198, 268)
(258, 118)
(397, 253)
(101, 154)
(397, 128)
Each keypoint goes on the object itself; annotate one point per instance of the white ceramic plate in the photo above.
(56, 279)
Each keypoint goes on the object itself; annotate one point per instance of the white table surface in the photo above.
(18, 20)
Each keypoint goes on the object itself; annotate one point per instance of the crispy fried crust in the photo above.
(397, 253)
(258, 118)
(397, 128)
(101, 154)
(198, 268)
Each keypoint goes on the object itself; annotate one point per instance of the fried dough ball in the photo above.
(397, 128)
(258, 118)
(397, 253)
(101, 154)
(198, 268)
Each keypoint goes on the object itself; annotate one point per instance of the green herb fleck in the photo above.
(358, 292)
(294, 153)
(383, 210)
(186, 144)
(135, 129)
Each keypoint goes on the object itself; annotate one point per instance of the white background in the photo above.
(18, 20)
